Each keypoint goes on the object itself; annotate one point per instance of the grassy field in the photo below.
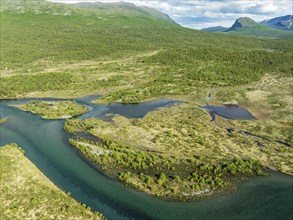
(27, 194)
(127, 56)
(53, 109)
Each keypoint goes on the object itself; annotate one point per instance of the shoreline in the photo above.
(29, 180)
(197, 195)
(45, 115)
(192, 199)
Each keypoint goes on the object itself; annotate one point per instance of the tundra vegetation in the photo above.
(177, 146)
(27, 194)
(128, 55)
(177, 153)
(53, 109)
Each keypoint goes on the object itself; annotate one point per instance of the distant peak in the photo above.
(243, 22)
(283, 22)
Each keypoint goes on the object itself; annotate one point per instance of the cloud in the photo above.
(198, 14)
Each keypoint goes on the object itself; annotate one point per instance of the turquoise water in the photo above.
(46, 145)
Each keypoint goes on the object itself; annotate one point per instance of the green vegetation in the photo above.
(185, 131)
(14, 86)
(160, 175)
(261, 31)
(54, 109)
(178, 142)
(245, 26)
(3, 120)
(127, 55)
(27, 193)
(203, 181)
(130, 55)
(215, 29)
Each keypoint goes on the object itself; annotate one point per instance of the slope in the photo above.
(125, 8)
(215, 29)
(121, 55)
(283, 22)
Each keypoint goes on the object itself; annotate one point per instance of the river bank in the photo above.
(51, 154)
(146, 154)
(53, 109)
(27, 193)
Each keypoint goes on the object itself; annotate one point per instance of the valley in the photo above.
(129, 108)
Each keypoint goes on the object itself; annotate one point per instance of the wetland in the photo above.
(159, 158)
(66, 168)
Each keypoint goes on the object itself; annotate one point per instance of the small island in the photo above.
(27, 194)
(3, 120)
(174, 153)
(53, 109)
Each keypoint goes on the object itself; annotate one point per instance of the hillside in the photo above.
(215, 29)
(84, 8)
(125, 8)
(57, 50)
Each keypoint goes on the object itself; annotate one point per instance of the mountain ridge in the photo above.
(215, 29)
(282, 22)
(53, 8)
(125, 7)
(246, 26)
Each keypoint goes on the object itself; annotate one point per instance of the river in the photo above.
(46, 145)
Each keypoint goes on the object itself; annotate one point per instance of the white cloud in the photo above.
(198, 14)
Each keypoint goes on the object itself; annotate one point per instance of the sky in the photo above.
(198, 14)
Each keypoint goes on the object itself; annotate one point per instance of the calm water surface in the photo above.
(46, 145)
(234, 112)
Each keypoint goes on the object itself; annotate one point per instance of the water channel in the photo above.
(46, 145)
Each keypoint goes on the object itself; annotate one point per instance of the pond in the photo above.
(46, 145)
(233, 112)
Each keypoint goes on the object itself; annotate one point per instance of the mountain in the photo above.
(129, 53)
(283, 22)
(85, 8)
(215, 29)
(243, 22)
(125, 7)
(247, 27)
